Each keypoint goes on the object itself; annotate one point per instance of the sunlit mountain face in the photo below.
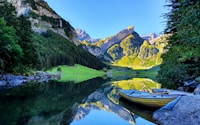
(127, 48)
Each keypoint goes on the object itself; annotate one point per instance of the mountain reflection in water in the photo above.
(98, 100)
(141, 111)
(67, 103)
(44, 103)
(107, 99)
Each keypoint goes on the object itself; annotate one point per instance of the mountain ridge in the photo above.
(83, 36)
(127, 48)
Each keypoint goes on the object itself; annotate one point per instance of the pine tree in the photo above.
(182, 61)
(10, 52)
(24, 32)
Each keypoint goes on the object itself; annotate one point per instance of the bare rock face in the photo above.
(22, 7)
(100, 50)
(82, 35)
(116, 38)
(186, 111)
(147, 50)
(85, 37)
(197, 90)
(150, 37)
(95, 51)
(44, 18)
(197, 79)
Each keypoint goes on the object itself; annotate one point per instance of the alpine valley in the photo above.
(42, 39)
(55, 42)
(54, 74)
(126, 48)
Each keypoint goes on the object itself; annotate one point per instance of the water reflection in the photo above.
(42, 103)
(99, 100)
(143, 84)
(138, 110)
(69, 103)
(107, 99)
(102, 117)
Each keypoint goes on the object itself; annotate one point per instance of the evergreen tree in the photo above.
(10, 52)
(37, 50)
(182, 61)
(24, 32)
(8, 12)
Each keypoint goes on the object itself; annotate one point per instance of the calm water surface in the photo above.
(93, 102)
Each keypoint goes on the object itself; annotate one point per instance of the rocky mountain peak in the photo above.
(124, 33)
(117, 38)
(150, 37)
(128, 49)
(82, 35)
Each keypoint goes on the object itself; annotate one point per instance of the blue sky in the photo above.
(103, 18)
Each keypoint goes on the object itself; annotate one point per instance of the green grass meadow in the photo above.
(76, 73)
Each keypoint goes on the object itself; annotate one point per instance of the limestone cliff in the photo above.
(84, 37)
(44, 18)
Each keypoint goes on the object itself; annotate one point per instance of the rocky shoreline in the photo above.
(184, 110)
(10, 80)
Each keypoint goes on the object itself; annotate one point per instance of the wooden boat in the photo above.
(156, 100)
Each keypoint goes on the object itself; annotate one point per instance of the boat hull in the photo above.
(148, 100)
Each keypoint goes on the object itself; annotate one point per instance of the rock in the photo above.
(180, 89)
(22, 7)
(197, 90)
(197, 79)
(147, 51)
(191, 83)
(9, 80)
(186, 111)
(82, 35)
(15, 82)
(116, 38)
(95, 50)
(150, 37)
(189, 86)
(40, 8)
(30, 78)
(3, 83)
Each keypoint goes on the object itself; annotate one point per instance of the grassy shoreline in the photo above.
(76, 73)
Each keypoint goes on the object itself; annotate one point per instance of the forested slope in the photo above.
(22, 49)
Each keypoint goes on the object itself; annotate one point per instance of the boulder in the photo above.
(197, 90)
(10, 80)
(3, 83)
(180, 88)
(183, 111)
(197, 79)
(189, 86)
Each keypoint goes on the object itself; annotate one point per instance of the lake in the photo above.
(93, 102)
